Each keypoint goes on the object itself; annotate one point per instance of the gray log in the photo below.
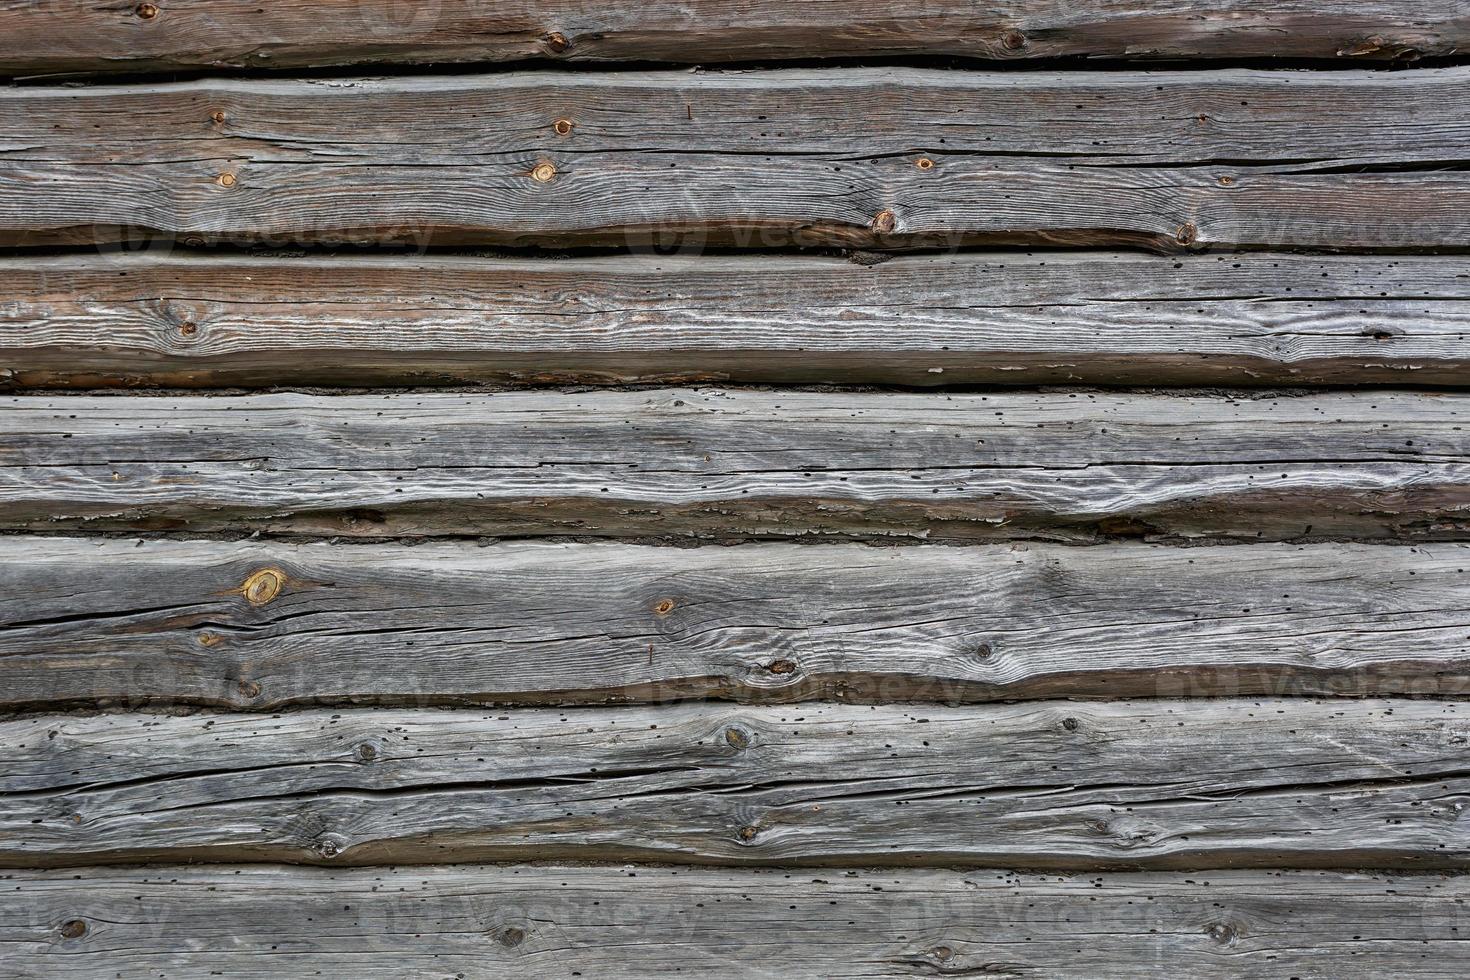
(554, 922)
(1122, 784)
(53, 35)
(682, 161)
(1248, 319)
(265, 626)
(1391, 465)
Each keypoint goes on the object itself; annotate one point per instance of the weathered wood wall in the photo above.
(1068, 579)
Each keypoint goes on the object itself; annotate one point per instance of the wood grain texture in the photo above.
(680, 161)
(263, 626)
(56, 36)
(1001, 318)
(1148, 784)
(723, 464)
(541, 922)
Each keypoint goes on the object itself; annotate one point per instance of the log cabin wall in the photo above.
(734, 487)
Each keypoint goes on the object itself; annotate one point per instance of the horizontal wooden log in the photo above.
(55, 36)
(1244, 319)
(548, 921)
(678, 161)
(717, 464)
(1148, 784)
(270, 625)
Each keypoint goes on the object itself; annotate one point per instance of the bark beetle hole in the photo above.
(75, 929)
(782, 667)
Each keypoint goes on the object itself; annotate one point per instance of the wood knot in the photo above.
(146, 11)
(1013, 40)
(188, 328)
(1227, 180)
(226, 179)
(556, 42)
(1186, 234)
(747, 834)
(782, 667)
(884, 222)
(249, 689)
(367, 752)
(263, 586)
(511, 937)
(664, 606)
(208, 639)
(942, 953)
(736, 738)
(924, 163)
(1221, 933)
(543, 172)
(74, 929)
(328, 849)
(1071, 724)
(983, 651)
(562, 127)
(217, 117)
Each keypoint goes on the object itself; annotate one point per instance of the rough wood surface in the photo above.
(1145, 784)
(265, 626)
(548, 921)
(191, 320)
(55, 35)
(678, 161)
(707, 463)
